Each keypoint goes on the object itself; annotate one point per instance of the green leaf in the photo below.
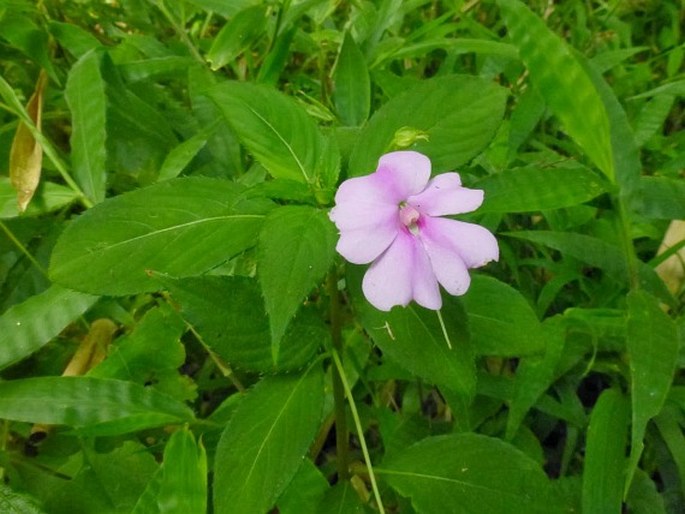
(181, 156)
(182, 227)
(660, 198)
(15, 503)
(73, 38)
(598, 253)
(183, 486)
(296, 248)
(263, 445)
(228, 313)
(652, 118)
(305, 491)
(26, 327)
(22, 33)
(412, 337)
(459, 115)
(652, 343)
(644, 498)
(48, 197)
(535, 189)
(85, 95)
(604, 471)
(341, 499)
(278, 132)
(562, 81)
(465, 473)
(237, 36)
(95, 406)
(501, 320)
(351, 84)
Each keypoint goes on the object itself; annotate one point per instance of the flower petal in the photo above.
(363, 245)
(445, 195)
(406, 173)
(474, 244)
(401, 274)
(447, 264)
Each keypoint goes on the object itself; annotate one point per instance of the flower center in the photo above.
(409, 217)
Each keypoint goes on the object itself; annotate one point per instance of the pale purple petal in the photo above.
(447, 264)
(445, 195)
(363, 245)
(475, 245)
(405, 173)
(402, 274)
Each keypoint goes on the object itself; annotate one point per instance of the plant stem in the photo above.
(342, 434)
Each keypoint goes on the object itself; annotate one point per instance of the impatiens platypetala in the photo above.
(394, 219)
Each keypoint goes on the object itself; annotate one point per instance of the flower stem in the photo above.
(360, 432)
(444, 329)
(342, 434)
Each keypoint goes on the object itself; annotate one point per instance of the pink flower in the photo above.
(392, 218)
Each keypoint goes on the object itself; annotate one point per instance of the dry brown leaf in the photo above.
(26, 154)
(672, 270)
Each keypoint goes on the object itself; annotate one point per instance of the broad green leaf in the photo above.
(341, 499)
(562, 81)
(351, 84)
(26, 154)
(263, 445)
(278, 132)
(229, 315)
(652, 343)
(501, 320)
(73, 38)
(456, 117)
(598, 253)
(12, 502)
(95, 406)
(183, 487)
(181, 156)
(26, 327)
(296, 248)
(466, 473)
(412, 337)
(182, 227)
(660, 198)
(237, 35)
(155, 68)
(305, 491)
(48, 197)
(85, 95)
(533, 189)
(604, 470)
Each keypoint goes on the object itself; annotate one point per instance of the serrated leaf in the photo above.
(278, 132)
(263, 445)
(85, 95)
(26, 327)
(182, 227)
(412, 337)
(26, 154)
(351, 84)
(237, 35)
(95, 406)
(652, 343)
(561, 80)
(228, 312)
(604, 469)
(459, 115)
(183, 486)
(500, 319)
(532, 189)
(465, 473)
(296, 248)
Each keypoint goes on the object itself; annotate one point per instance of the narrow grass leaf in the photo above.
(182, 227)
(237, 35)
(183, 486)
(351, 84)
(464, 473)
(94, 406)
(533, 189)
(278, 132)
(652, 343)
(296, 248)
(266, 440)
(26, 154)
(604, 470)
(85, 95)
(28, 326)
(566, 87)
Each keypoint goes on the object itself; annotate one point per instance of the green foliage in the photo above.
(178, 334)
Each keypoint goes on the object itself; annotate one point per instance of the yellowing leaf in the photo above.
(26, 154)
